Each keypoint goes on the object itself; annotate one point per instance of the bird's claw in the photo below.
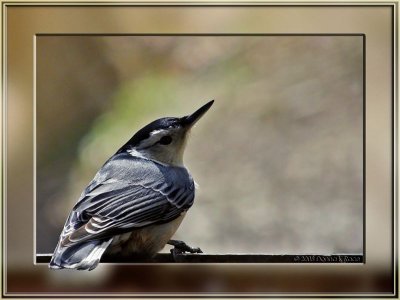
(195, 250)
(181, 247)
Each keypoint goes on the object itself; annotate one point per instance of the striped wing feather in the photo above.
(128, 193)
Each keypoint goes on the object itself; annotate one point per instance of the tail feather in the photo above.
(81, 256)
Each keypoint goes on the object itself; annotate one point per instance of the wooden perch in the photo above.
(227, 258)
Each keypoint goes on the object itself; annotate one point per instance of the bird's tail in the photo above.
(80, 256)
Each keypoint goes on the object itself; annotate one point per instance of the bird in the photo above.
(136, 201)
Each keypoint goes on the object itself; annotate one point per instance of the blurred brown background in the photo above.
(278, 158)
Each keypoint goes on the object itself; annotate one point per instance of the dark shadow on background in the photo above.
(208, 279)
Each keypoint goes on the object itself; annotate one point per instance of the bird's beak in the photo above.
(190, 120)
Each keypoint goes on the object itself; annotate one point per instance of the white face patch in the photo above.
(154, 137)
(158, 132)
(171, 153)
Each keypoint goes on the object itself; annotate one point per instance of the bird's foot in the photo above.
(181, 247)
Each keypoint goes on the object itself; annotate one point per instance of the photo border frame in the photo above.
(394, 107)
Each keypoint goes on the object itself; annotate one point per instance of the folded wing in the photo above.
(127, 193)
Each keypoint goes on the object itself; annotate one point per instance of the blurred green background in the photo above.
(278, 158)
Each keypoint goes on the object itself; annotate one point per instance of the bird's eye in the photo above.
(165, 140)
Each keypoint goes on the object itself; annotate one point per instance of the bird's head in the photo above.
(164, 140)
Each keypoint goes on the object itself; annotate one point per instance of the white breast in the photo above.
(146, 241)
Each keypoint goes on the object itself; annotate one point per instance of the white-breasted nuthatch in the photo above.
(136, 201)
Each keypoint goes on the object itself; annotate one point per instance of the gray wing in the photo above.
(128, 193)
